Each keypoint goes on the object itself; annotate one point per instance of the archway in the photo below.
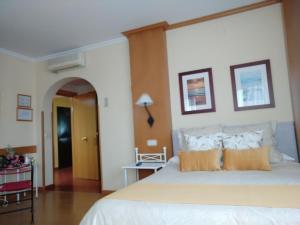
(48, 158)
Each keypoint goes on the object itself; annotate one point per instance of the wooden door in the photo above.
(85, 137)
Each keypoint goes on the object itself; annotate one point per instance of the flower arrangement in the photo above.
(11, 159)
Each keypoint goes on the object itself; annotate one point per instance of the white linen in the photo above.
(195, 131)
(204, 142)
(282, 173)
(123, 212)
(241, 141)
(268, 136)
(287, 157)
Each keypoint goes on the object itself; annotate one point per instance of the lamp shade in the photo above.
(143, 100)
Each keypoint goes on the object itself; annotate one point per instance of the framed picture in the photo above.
(252, 85)
(196, 91)
(24, 114)
(24, 101)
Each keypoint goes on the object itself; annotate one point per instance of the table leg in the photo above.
(18, 194)
(125, 178)
(36, 181)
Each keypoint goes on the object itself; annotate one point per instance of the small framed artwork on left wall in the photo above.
(24, 114)
(24, 111)
(24, 101)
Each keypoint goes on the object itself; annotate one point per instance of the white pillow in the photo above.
(195, 131)
(286, 157)
(174, 160)
(203, 142)
(245, 140)
(268, 137)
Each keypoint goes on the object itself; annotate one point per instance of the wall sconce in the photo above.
(145, 100)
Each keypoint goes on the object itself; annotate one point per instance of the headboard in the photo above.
(284, 136)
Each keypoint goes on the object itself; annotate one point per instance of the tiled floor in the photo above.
(64, 181)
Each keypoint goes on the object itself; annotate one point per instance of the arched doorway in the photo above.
(82, 107)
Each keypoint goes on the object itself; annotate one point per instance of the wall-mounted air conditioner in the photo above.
(64, 62)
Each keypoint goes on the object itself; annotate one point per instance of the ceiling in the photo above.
(78, 86)
(38, 28)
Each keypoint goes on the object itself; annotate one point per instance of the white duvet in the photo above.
(123, 212)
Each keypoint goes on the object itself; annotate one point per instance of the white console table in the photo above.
(144, 166)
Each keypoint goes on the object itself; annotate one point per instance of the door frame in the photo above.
(47, 125)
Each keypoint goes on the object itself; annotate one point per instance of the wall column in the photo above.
(291, 9)
(149, 74)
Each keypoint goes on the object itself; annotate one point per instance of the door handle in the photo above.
(84, 138)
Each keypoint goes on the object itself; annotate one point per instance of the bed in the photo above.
(205, 197)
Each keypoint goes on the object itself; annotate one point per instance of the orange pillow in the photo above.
(199, 160)
(250, 159)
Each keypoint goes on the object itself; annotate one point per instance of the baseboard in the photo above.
(107, 192)
(51, 188)
(47, 188)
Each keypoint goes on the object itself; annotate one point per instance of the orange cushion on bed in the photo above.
(250, 159)
(199, 160)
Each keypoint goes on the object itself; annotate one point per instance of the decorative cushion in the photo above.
(199, 160)
(246, 140)
(251, 159)
(196, 131)
(204, 142)
(268, 138)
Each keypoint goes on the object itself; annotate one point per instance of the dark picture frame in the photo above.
(252, 86)
(197, 91)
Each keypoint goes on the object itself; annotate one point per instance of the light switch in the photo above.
(152, 142)
(106, 102)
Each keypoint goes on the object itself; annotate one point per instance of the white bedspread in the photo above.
(282, 173)
(122, 212)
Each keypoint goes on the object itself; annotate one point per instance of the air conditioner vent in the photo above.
(64, 62)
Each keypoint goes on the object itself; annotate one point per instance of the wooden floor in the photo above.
(64, 181)
(55, 208)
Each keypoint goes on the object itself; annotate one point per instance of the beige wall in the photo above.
(241, 38)
(16, 77)
(108, 71)
(58, 101)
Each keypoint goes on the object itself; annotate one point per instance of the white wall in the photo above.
(16, 77)
(236, 39)
(108, 71)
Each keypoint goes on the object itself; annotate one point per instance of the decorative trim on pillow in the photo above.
(199, 160)
(251, 159)
(245, 140)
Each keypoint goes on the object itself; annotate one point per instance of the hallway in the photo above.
(64, 181)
